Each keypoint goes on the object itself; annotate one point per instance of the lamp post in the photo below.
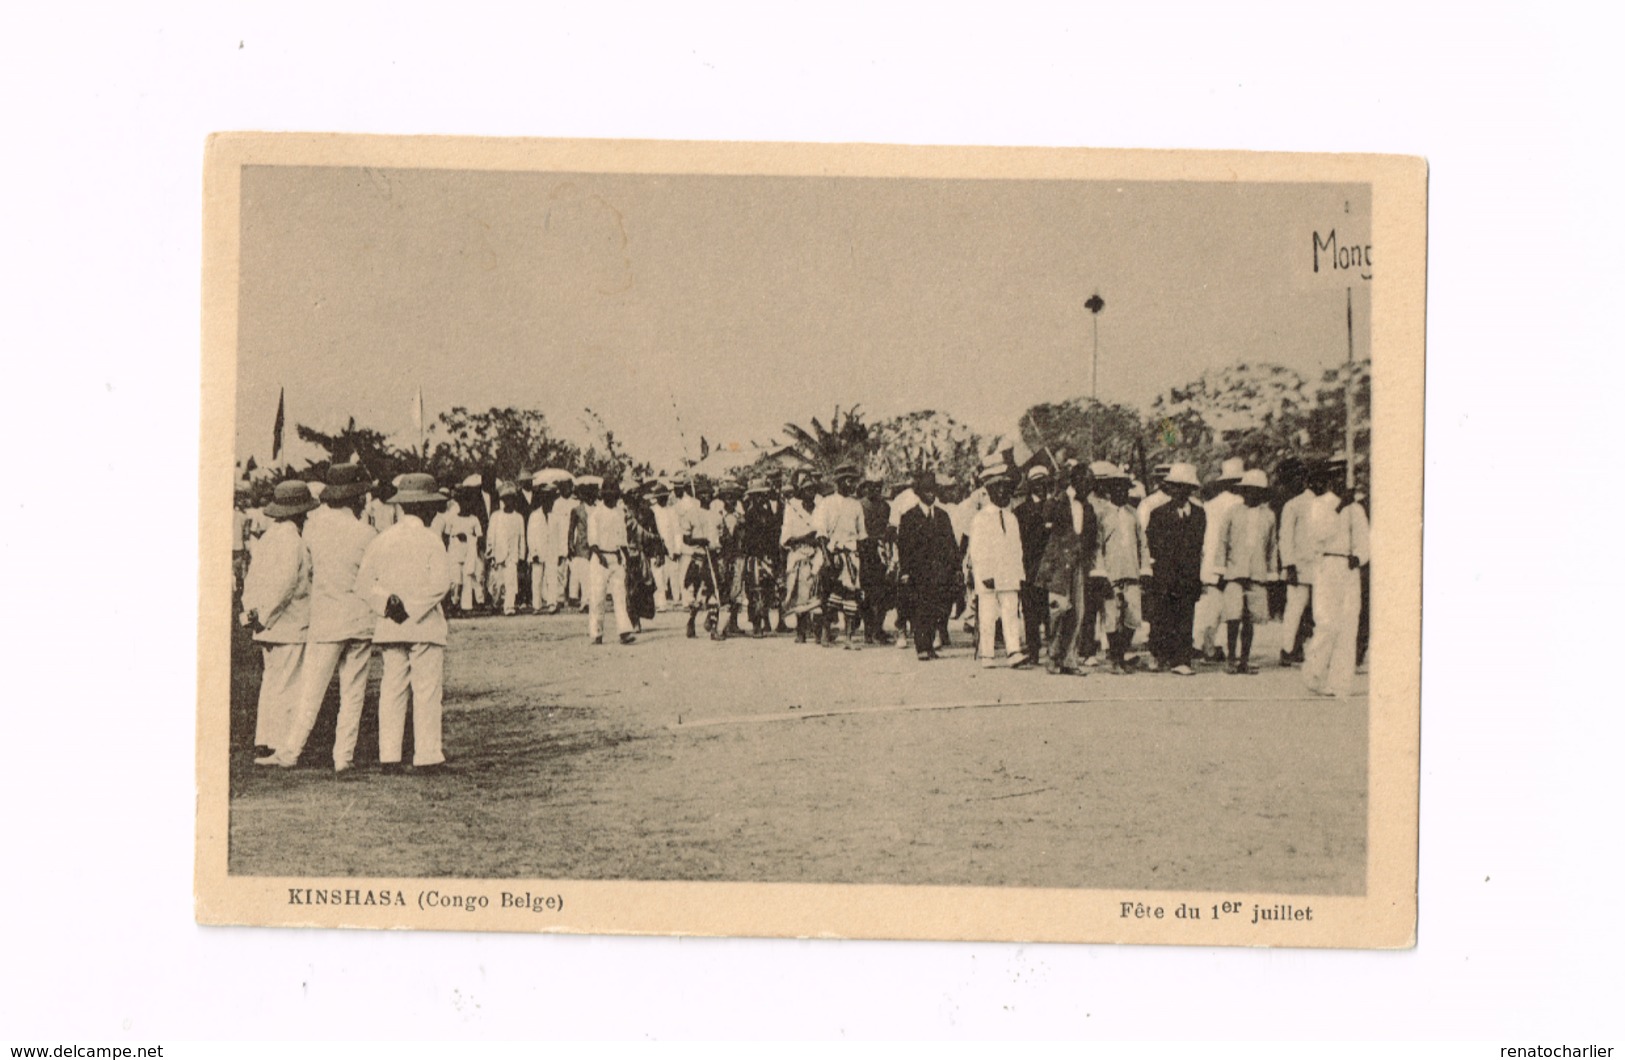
(1095, 304)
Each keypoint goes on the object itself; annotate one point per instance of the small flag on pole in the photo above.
(278, 457)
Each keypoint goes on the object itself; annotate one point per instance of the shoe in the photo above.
(781, 627)
(1092, 661)
(690, 632)
(628, 638)
(1216, 657)
(1246, 669)
(1183, 671)
(1153, 667)
(598, 640)
(1286, 660)
(1116, 669)
(1231, 668)
(274, 759)
(263, 751)
(1022, 662)
(431, 769)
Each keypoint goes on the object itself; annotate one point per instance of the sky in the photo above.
(733, 304)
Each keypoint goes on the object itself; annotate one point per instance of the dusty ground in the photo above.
(771, 761)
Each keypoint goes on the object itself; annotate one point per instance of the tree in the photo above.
(926, 440)
(845, 440)
(496, 444)
(355, 444)
(1253, 411)
(1325, 423)
(1118, 432)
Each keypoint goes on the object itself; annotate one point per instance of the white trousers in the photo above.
(1297, 601)
(279, 692)
(350, 658)
(505, 582)
(544, 583)
(993, 607)
(1209, 617)
(606, 581)
(577, 566)
(669, 581)
(1328, 664)
(420, 669)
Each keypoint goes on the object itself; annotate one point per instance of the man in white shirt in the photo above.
(841, 528)
(701, 529)
(544, 569)
(276, 607)
(607, 548)
(1341, 535)
(404, 578)
(1298, 562)
(558, 527)
(668, 570)
(505, 543)
(340, 635)
(1210, 608)
(804, 560)
(997, 565)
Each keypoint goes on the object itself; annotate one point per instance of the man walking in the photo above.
(341, 623)
(1210, 608)
(1298, 560)
(1342, 537)
(997, 565)
(842, 531)
(1248, 563)
(1175, 531)
(505, 543)
(930, 573)
(1124, 563)
(1033, 515)
(1062, 573)
(539, 543)
(607, 554)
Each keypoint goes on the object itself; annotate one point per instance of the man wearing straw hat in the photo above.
(607, 554)
(842, 530)
(1125, 564)
(404, 578)
(1248, 563)
(1062, 573)
(1210, 608)
(668, 570)
(1175, 531)
(1341, 535)
(505, 544)
(276, 607)
(340, 634)
(544, 565)
(998, 565)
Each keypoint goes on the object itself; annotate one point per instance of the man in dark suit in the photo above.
(928, 561)
(1033, 517)
(1063, 570)
(1174, 535)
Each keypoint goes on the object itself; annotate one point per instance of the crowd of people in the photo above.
(1057, 566)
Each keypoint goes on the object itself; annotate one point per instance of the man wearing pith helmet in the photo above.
(341, 623)
(404, 577)
(1248, 563)
(276, 606)
(997, 565)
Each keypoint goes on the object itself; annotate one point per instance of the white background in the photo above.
(106, 115)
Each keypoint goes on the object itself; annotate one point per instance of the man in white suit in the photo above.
(276, 607)
(997, 565)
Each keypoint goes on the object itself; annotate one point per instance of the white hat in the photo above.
(1232, 469)
(1104, 469)
(473, 480)
(1256, 479)
(1037, 471)
(589, 480)
(1182, 475)
(993, 467)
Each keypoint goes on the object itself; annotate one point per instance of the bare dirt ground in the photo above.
(770, 761)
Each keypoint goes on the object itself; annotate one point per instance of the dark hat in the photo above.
(418, 488)
(290, 499)
(345, 482)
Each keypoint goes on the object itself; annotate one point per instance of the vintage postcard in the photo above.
(811, 540)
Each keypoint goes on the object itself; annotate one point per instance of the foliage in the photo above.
(1254, 411)
(1117, 432)
(845, 440)
(925, 440)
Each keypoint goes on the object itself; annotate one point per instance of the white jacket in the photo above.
(995, 549)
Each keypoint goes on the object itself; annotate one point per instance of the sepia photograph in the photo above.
(899, 542)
